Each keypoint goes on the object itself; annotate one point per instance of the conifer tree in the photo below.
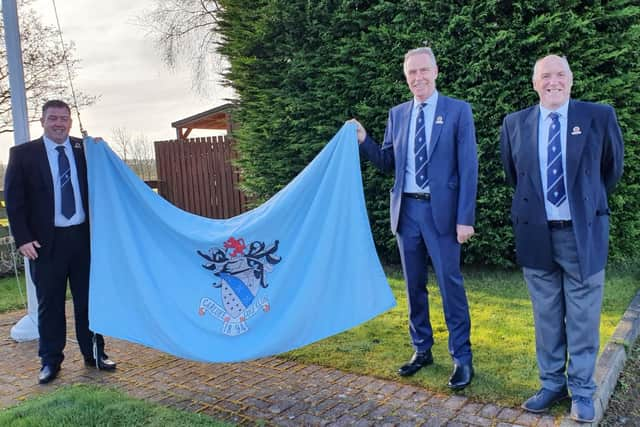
(302, 68)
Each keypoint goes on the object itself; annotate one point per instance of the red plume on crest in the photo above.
(238, 246)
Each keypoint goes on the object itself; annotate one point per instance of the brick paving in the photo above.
(268, 391)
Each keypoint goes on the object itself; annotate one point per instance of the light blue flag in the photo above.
(299, 268)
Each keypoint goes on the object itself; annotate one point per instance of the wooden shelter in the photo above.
(197, 174)
(218, 118)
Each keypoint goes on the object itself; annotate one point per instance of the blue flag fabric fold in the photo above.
(297, 269)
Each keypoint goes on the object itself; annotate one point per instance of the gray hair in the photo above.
(563, 58)
(419, 51)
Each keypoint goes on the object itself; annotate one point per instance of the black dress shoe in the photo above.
(461, 376)
(48, 373)
(104, 363)
(418, 360)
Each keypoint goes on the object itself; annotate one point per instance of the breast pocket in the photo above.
(453, 183)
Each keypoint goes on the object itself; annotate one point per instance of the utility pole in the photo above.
(27, 328)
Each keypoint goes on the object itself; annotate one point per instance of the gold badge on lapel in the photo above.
(576, 131)
(439, 120)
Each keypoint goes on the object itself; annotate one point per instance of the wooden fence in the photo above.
(197, 175)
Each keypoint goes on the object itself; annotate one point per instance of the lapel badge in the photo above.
(439, 120)
(576, 131)
(77, 145)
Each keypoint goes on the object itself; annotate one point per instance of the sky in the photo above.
(121, 64)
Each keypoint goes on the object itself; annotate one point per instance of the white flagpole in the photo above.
(27, 328)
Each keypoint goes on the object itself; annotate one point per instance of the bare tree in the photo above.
(137, 152)
(143, 159)
(122, 141)
(186, 31)
(45, 74)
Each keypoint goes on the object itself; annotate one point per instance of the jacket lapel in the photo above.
(530, 149)
(81, 167)
(43, 165)
(404, 120)
(577, 127)
(438, 122)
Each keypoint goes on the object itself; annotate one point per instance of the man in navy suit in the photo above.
(563, 157)
(47, 205)
(430, 144)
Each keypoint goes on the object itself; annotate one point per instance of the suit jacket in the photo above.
(594, 160)
(452, 167)
(28, 191)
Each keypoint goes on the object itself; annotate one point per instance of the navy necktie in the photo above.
(420, 149)
(68, 202)
(556, 193)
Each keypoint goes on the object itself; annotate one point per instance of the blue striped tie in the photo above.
(68, 202)
(420, 149)
(556, 193)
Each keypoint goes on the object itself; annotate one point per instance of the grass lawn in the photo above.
(502, 336)
(82, 405)
(10, 294)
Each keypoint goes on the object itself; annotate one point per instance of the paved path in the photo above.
(271, 390)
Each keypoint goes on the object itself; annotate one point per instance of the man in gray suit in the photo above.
(563, 157)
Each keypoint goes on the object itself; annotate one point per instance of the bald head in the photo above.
(551, 58)
(552, 80)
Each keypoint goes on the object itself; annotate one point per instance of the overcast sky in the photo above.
(120, 62)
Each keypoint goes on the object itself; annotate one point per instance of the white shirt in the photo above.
(410, 185)
(52, 155)
(561, 212)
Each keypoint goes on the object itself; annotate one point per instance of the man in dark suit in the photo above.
(563, 157)
(430, 144)
(47, 205)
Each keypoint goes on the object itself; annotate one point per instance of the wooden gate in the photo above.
(196, 175)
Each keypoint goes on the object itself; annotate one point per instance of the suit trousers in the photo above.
(566, 312)
(67, 260)
(418, 239)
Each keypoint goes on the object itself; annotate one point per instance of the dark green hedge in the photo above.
(301, 68)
